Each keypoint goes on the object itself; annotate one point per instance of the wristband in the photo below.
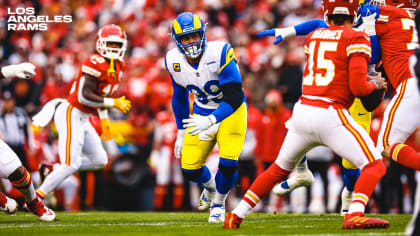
(108, 102)
(212, 119)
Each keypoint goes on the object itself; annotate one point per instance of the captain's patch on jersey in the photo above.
(177, 67)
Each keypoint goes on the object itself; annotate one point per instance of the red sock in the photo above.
(406, 156)
(178, 196)
(264, 183)
(369, 177)
(24, 185)
(3, 200)
(160, 193)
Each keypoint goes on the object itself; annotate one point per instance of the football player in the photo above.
(12, 168)
(335, 72)
(413, 228)
(393, 40)
(210, 72)
(80, 147)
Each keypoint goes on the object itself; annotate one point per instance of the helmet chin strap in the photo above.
(111, 70)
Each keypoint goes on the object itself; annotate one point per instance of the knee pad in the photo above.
(192, 174)
(227, 166)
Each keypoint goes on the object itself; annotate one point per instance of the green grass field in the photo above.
(129, 223)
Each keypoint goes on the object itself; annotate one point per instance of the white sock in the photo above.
(219, 198)
(356, 207)
(211, 184)
(55, 178)
(242, 209)
(302, 166)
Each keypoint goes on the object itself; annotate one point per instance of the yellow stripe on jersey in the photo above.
(197, 22)
(229, 57)
(383, 18)
(177, 27)
(358, 48)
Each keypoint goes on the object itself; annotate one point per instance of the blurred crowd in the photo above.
(143, 174)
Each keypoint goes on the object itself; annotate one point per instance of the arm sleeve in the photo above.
(231, 85)
(309, 26)
(180, 103)
(233, 97)
(359, 86)
(376, 50)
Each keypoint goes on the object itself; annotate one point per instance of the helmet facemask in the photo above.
(111, 52)
(194, 49)
(188, 23)
(108, 35)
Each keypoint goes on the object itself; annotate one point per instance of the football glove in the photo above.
(120, 103)
(279, 33)
(369, 24)
(106, 131)
(198, 123)
(23, 70)
(178, 143)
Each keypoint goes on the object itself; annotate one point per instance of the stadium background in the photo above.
(128, 182)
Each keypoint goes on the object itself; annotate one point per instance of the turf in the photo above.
(139, 223)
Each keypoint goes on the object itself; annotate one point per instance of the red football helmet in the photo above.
(408, 4)
(111, 33)
(342, 7)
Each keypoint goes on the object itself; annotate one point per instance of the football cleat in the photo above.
(8, 205)
(205, 199)
(217, 213)
(358, 220)
(39, 209)
(299, 179)
(232, 221)
(346, 198)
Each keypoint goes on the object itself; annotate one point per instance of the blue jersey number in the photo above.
(210, 88)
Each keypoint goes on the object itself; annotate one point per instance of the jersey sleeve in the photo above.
(93, 66)
(309, 26)
(359, 45)
(229, 71)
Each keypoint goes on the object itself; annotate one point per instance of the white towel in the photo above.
(209, 134)
(44, 117)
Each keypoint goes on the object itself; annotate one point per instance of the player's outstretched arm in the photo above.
(300, 29)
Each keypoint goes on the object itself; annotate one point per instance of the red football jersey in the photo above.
(168, 130)
(326, 73)
(396, 35)
(97, 67)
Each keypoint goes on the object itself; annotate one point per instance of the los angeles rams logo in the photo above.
(177, 67)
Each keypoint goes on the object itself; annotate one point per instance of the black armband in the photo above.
(233, 94)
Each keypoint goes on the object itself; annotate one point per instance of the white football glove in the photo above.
(199, 123)
(23, 70)
(178, 143)
(369, 24)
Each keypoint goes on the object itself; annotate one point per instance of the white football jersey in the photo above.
(202, 82)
